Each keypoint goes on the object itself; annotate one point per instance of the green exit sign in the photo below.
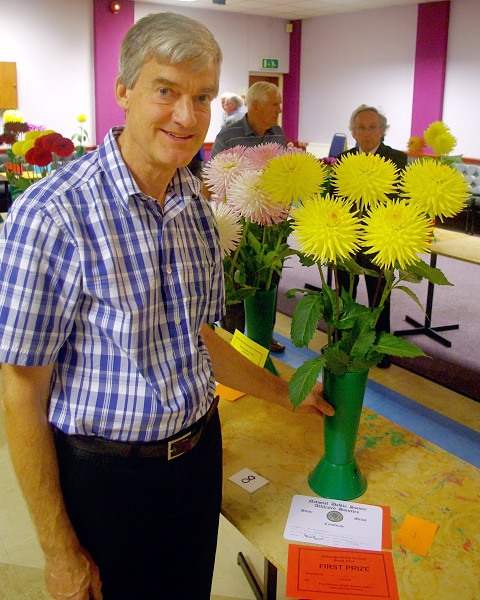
(269, 63)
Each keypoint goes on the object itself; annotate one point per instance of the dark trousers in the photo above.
(150, 524)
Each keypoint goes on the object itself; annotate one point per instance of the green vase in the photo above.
(260, 320)
(337, 474)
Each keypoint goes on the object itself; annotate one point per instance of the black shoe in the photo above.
(276, 346)
(385, 363)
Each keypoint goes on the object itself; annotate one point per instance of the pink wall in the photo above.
(430, 65)
(108, 32)
(291, 85)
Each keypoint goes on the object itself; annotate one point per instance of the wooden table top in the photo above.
(455, 244)
(403, 471)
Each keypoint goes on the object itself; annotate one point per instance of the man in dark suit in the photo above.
(368, 127)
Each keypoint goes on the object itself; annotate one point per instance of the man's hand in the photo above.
(315, 403)
(74, 579)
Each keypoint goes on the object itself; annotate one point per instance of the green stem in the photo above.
(237, 251)
(329, 329)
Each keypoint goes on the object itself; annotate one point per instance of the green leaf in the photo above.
(337, 360)
(304, 379)
(410, 293)
(431, 273)
(396, 346)
(305, 319)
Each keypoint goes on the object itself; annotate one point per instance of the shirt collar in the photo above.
(183, 183)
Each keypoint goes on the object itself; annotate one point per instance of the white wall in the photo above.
(462, 83)
(356, 58)
(52, 44)
(244, 40)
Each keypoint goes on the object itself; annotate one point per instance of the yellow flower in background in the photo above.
(13, 115)
(293, 177)
(434, 188)
(365, 179)
(17, 149)
(396, 232)
(439, 137)
(82, 118)
(444, 144)
(326, 228)
(434, 130)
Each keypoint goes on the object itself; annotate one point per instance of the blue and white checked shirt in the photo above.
(96, 276)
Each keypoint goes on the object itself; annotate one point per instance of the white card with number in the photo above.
(248, 480)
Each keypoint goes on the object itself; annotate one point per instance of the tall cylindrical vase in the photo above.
(337, 474)
(260, 320)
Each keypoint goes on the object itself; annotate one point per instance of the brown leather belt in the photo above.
(169, 448)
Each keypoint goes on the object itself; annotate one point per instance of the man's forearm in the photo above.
(24, 398)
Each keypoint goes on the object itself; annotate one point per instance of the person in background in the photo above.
(368, 126)
(223, 99)
(110, 272)
(233, 108)
(258, 126)
(260, 123)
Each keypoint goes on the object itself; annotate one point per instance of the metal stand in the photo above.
(426, 329)
(269, 591)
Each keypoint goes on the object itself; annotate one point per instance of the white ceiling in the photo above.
(290, 9)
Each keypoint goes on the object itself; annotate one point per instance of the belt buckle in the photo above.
(171, 450)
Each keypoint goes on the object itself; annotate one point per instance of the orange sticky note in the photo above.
(416, 534)
(326, 573)
(227, 393)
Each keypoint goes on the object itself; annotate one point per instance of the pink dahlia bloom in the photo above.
(245, 196)
(220, 170)
(261, 154)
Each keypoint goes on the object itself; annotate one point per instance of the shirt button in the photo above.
(177, 321)
(169, 270)
(185, 371)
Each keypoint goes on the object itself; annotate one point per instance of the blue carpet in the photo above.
(453, 437)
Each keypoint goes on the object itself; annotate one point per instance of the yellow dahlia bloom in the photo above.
(13, 115)
(444, 144)
(434, 130)
(435, 188)
(293, 177)
(17, 148)
(365, 179)
(326, 229)
(82, 118)
(396, 232)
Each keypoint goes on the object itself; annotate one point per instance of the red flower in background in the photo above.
(38, 157)
(63, 147)
(47, 141)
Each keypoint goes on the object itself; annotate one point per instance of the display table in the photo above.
(404, 472)
(453, 244)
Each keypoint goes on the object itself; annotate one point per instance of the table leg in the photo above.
(269, 591)
(426, 329)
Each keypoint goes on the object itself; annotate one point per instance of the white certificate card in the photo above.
(334, 523)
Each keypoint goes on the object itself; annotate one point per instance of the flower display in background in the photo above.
(416, 146)
(82, 136)
(326, 228)
(439, 137)
(34, 157)
(365, 179)
(13, 115)
(434, 188)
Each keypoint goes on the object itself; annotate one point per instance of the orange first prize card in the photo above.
(326, 573)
